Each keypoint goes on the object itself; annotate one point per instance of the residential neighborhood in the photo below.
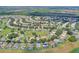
(38, 31)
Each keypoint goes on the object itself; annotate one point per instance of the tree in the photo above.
(34, 34)
(12, 35)
(69, 31)
(77, 26)
(8, 41)
(53, 37)
(12, 30)
(72, 39)
(43, 40)
(33, 40)
(22, 32)
(58, 32)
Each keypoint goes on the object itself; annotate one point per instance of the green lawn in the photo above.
(75, 50)
(41, 33)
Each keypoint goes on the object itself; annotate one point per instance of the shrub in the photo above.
(43, 40)
(58, 32)
(72, 39)
(33, 40)
(12, 35)
(53, 37)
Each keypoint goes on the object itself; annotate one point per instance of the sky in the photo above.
(39, 3)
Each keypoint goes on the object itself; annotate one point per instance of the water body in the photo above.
(54, 14)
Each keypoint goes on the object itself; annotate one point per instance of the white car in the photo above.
(38, 45)
(45, 44)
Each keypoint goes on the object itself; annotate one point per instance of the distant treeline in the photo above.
(14, 13)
